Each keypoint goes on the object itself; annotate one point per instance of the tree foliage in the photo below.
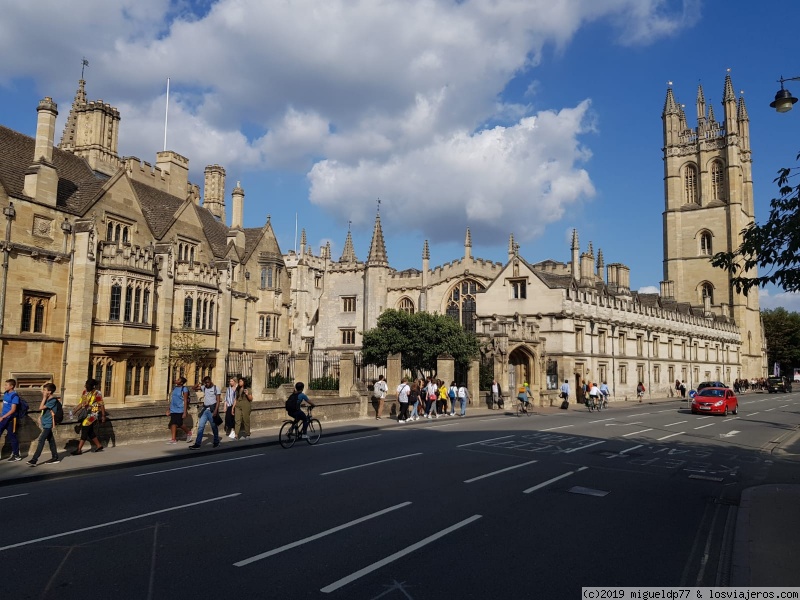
(773, 246)
(186, 350)
(782, 330)
(420, 338)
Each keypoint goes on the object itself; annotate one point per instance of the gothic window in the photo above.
(116, 302)
(137, 304)
(211, 315)
(717, 182)
(261, 323)
(406, 305)
(348, 336)
(145, 305)
(705, 243)
(187, 312)
(110, 232)
(349, 304)
(34, 309)
(269, 278)
(461, 303)
(518, 289)
(128, 303)
(690, 185)
(197, 312)
(103, 368)
(707, 291)
(263, 277)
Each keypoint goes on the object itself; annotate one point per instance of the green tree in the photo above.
(773, 246)
(782, 330)
(186, 351)
(420, 338)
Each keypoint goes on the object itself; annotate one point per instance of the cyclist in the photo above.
(524, 396)
(605, 392)
(296, 413)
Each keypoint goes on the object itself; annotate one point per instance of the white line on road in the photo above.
(769, 409)
(530, 462)
(583, 447)
(666, 437)
(676, 423)
(601, 420)
(14, 496)
(440, 426)
(118, 521)
(363, 437)
(730, 419)
(624, 451)
(484, 441)
(496, 418)
(636, 432)
(369, 464)
(706, 417)
(393, 557)
(213, 462)
(554, 479)
(554, 428)
(636, 415)
(784, 406)
(704, 426)
(317, 536)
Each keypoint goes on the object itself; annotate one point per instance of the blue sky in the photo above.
(527, 117)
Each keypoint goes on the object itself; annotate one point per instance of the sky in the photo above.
(530, 117)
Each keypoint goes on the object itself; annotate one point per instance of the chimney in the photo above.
(47, 111)
(41, 178)
(214, 191)
(237, 217)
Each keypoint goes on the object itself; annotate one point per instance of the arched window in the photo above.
(110, 233)
(263, 277)
(146, 306)
(707, 291)
(718, 182)
(406, 305)
(690, 185)
(116, 302)
(461, 304)
(197, 316)
(191, 255)
(116, 233)
(137, 304)
(261, 326)
(124, 235)
(211, 315)
(269, 277)
(705, 243)
(187, 312)
(128, 302)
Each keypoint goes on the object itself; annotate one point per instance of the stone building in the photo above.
(111, 266)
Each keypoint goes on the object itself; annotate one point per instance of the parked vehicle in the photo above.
(709, 384)
(778, 384)
(715, 400)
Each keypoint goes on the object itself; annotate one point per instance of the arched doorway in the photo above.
(521, 362)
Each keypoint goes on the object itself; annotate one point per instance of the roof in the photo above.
(158, 207)
(216, 232)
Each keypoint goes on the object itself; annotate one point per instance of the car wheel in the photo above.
(736, 409)
(725, 412)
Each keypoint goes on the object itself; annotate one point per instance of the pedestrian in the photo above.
(431, 393)
(230, 411)
(495, 394)
(683, 390)
(403, 391)
(8, 418)
(92, 401)
(640, 391)
(209, 412)
(452, 393)
(48, 407)
(243, 406)
(178, 410)
(379, 391)
(413, 401)
(463, 399)
(441, 402)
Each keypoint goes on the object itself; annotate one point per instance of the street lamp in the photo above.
(783, 99)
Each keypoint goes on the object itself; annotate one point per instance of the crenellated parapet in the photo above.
(114, 255)
(456, 269)
(196, 273)
(173, 181)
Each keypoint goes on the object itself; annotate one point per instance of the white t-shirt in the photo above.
(402, 393)
(495, 388)
(462, 392)
(379, 389)
(210, 394)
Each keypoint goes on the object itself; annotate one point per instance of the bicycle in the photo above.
(524, 407)
(292, 430)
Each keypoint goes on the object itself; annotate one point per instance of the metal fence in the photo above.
(239, 364)
(280, 369)
(367, 374)
(324, 371)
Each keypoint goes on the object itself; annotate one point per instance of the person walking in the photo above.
(8, 418)
(243, 406)
(178, 410)
(209, 412)
(496, 400)
(48, 407)
(413, 401)
(640, 391)
(403, 390)
(431, 393)
(230, 410)
(441, 402)
(379, 391)
(92, 400)
(463, 399)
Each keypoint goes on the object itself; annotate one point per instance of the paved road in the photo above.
(488, 506)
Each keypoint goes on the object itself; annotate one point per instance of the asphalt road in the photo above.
(496, 506)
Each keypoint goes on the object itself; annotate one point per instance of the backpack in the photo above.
(452, 393)
(292, 402)
(22, 407)
(58, 413)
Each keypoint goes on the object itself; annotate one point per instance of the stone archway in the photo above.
(521, 369)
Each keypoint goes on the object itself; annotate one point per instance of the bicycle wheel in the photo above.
(314, 431)
(288, 434)
(520, 412)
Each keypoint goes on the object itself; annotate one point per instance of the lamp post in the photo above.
(783, 98)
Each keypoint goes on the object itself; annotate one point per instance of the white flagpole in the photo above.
(295, 233)
(166, 117)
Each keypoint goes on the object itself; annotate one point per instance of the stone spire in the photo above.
(348, 253)
(575, 244)
(729, 104)
(468, 245)
(303, 237)
(600, 262)
(377, 247)
(711, 118)
(590, 250)
(670, 106)
(426, 252)
(728, 94)
(701, 106)
(68, 137)
(575, 266)
(512, 247)
(741, 110)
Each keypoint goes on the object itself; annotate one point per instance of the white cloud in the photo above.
(369, 98)
(788, 300)
(649, 289)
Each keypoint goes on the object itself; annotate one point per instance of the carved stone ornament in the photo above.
(42, 226)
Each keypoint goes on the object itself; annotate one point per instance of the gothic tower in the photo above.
(708, 193)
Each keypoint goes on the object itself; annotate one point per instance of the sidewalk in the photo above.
(766, 542)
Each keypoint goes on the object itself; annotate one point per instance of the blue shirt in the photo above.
(301, 397)
(9, 399)
(176, 404)
(47, 413)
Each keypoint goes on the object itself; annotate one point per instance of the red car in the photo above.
(715, 400)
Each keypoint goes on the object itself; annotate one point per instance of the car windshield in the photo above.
(772, 380)
(714, 393)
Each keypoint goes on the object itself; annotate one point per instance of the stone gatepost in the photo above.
(302, 368)
(259, 384)
(474, 381)
(346, 370)
(446, 368)
(394, 371)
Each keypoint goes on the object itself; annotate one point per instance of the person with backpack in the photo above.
(209, 413)
(8, 418)
(379, 391)
(243, 407)
(92, 401)
(294, 405)
(640, 391)
(179, 410)
(463, 398)
(49, 407)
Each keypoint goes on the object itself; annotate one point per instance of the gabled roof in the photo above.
(78, 185)
(216, 232)
(159, 208)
